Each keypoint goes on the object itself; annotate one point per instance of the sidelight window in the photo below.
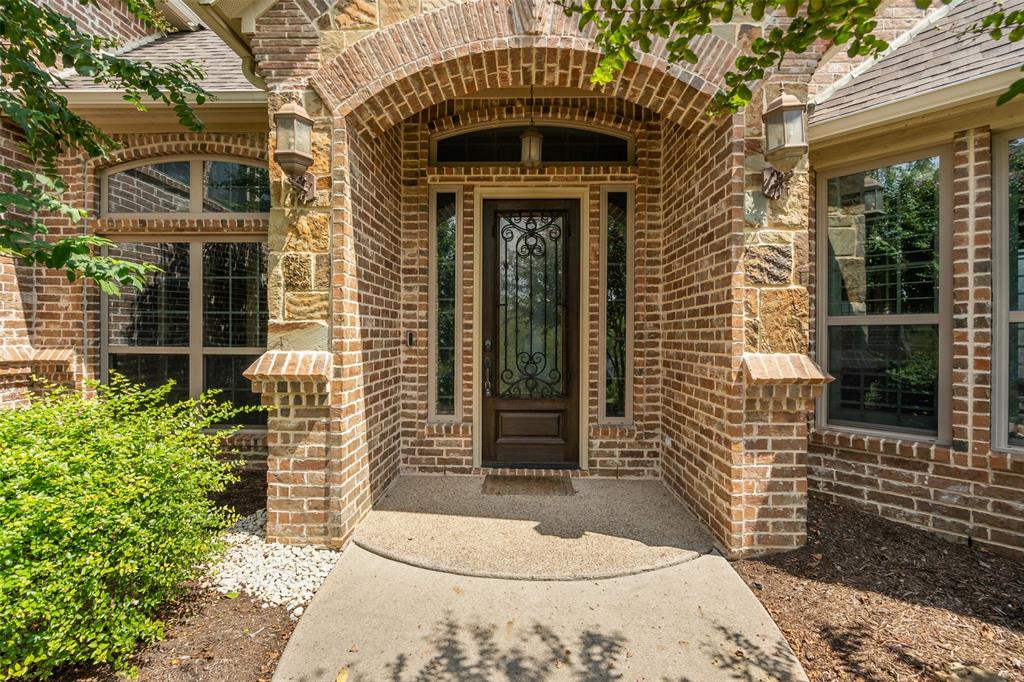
(445, 299)
(617, 260)
(885, 334)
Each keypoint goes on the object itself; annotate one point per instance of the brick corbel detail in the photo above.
(770, 481)
(295, 385)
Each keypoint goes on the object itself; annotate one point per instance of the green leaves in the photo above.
(36, 45)
(105, 513)
(849, 23)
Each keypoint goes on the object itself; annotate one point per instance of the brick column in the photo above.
(295, 385)
(770, 483)
(294, 375)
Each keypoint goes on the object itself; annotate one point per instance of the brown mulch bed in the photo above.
(211, 637)
(248, 495)
(870, 599)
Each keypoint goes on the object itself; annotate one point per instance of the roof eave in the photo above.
(990, 86)
(229, 30)
(114, 98)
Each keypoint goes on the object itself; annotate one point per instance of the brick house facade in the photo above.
(729, 301)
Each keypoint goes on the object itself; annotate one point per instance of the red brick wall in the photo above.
(107, 18)
(366, 319)
(702, 319)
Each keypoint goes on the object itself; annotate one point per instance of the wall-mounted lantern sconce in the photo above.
(785, 142)
(294, 151)
(532, 142)
(873, 197)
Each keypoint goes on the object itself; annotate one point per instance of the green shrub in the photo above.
(105, 512)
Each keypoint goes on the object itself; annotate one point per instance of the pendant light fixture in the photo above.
(531, 141)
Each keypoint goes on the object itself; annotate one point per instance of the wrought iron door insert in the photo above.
(530, 301)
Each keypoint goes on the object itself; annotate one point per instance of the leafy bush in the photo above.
(105, 512)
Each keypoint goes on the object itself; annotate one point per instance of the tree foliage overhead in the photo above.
(627, 27)
(39, 49)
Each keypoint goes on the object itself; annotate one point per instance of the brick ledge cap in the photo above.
(27, 355)
(783, 368)
(290, 365)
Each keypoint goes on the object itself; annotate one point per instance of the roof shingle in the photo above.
(945, 54)
(222, 67)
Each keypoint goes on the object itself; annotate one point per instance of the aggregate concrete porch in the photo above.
(604, 528)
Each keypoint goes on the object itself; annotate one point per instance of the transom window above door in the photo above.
(559, 145)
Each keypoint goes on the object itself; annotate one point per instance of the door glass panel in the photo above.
(531, 307)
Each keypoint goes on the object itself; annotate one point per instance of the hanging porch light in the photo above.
(531, 141)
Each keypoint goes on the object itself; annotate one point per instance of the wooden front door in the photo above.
(530, 333)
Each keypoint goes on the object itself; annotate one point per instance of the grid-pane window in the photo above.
(235, 188)
(616, 302)
(200, 321)
(197, 186)
(156, 188)
(883, 296)
(445, 337)
(1015, 299)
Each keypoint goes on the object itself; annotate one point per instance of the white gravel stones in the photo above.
(274, 574)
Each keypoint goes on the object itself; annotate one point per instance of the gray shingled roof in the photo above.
(940, 56)
(222, 66)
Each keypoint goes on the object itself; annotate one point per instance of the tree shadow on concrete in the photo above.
(738, 658)
(476, 653)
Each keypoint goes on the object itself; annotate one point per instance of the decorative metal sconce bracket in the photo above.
(304, 186)
(774, 182)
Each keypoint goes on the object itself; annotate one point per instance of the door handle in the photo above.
(488, 388)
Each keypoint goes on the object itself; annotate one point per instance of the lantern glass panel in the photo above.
(794, 126)
(286, 134)
(303, 135)
(774, 131)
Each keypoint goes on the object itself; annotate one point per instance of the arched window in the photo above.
(202, 318)
(561, 145)
(185, 188)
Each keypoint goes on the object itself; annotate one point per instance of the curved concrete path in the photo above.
(381, 620)
(607, 528)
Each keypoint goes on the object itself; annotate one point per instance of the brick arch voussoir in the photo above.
(481, 44)
(250, 146)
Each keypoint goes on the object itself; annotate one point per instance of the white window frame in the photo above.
(195, 350)
(943, 318)
(195, 184)
(432, 328)
(1002, 316)
(627, 417)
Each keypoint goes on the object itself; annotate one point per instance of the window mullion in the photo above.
(195, 187)
(195, 318)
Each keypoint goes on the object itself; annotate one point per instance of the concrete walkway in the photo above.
(381, 620)
(606, 528)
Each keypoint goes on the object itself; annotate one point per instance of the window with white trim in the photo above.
(445, 325)
(883, 311)
(201, 319)
(616, 347)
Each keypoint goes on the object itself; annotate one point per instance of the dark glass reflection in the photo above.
(885, 375)
(158, 315)
(235, 294)
(153, 370)
(615, 305)
(224, 372)
(883, 228)
(156, 188)
(560, 146)
(445, 250)
(235, 187)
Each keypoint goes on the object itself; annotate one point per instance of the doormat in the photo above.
(527, 485)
